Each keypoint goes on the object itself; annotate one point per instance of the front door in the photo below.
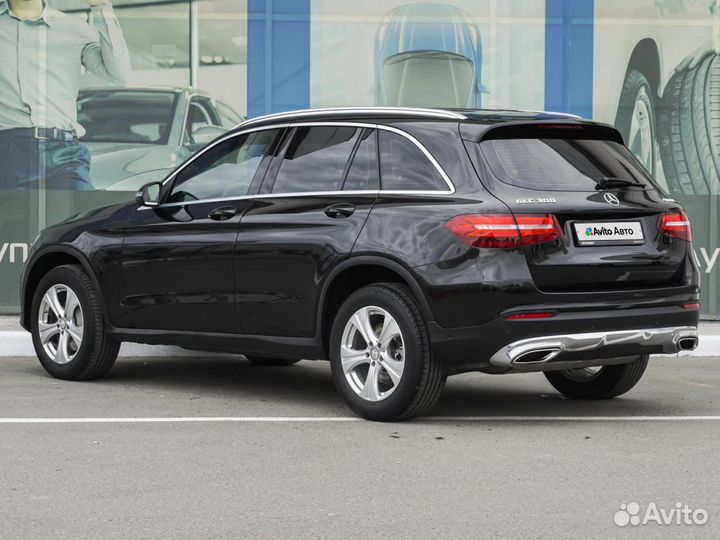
(177, 259)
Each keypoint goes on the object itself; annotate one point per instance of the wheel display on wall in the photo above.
(690, 129)
(636, 118)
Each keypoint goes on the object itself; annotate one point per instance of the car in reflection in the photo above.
(138, 135)
(428, 55)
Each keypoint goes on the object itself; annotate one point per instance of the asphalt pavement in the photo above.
(216, 448)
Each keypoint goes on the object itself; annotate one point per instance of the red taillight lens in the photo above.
(694, 305)
(676, 225)
(505, 230)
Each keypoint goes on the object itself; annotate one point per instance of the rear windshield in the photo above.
(562, 164)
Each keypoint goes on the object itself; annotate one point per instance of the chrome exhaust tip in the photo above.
(537, 356)
(687, 344)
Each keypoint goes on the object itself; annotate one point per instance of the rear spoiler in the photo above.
(540, 129)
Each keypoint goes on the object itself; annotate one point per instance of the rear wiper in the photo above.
(612, 181)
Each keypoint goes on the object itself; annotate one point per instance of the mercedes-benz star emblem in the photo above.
(610, 198)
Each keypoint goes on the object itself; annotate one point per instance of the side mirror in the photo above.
(149, 194)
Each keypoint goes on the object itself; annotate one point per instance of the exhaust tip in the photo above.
(537, 356)
(687, 344)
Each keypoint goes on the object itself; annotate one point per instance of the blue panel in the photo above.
(256, 58)
(569, 56)
(278, 56)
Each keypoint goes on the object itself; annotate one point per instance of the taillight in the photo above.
(676, 225)
(504, 230)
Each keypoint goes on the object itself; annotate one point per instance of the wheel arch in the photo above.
(357, 272)
(44, 261)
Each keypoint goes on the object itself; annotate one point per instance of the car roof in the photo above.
(358, 114)
(475, 124)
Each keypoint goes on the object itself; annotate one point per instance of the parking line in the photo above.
(321, 419)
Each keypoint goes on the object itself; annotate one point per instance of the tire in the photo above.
(268, 362)
(404, 351)
(636, 118)
(607, 382)
(690, 131)
(96, 352)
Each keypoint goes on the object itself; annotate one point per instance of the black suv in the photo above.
(401, 244)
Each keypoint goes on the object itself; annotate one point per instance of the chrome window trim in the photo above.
(297, 194)
(418, 144)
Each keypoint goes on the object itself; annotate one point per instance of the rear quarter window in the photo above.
(561, 164)
(404, 167)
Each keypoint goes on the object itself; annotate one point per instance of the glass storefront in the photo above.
(145, 84)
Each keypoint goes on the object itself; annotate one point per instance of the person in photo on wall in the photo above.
(42, 52)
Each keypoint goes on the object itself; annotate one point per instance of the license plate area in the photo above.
(608, 233)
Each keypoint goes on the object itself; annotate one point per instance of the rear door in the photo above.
(606, 203)
(313, 204)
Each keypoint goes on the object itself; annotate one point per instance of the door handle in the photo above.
(340, 210)
(223, 213)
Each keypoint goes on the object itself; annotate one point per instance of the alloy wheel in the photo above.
(372, 353)
(640, 140)
(61, 324)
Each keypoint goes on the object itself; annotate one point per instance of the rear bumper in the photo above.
(564, 351)
(566, 340)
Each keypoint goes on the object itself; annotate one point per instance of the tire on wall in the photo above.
(690, 129)
(636, 118)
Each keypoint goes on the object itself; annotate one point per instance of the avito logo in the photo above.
(607, 231)
(598, 231)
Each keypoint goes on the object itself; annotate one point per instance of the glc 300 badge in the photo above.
(541, 200)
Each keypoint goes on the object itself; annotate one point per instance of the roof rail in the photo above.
(407, 111)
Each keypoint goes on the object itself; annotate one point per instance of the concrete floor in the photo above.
(260, 475)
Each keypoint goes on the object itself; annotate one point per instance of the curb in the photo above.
(19, 343)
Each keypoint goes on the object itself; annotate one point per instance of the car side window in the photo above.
(363, 173)
(225, 170)
(403, 166)
(315, 159)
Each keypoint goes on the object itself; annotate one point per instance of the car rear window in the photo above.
(559, 164)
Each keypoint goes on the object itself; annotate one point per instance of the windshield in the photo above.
(563, 164)
(126, 116)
